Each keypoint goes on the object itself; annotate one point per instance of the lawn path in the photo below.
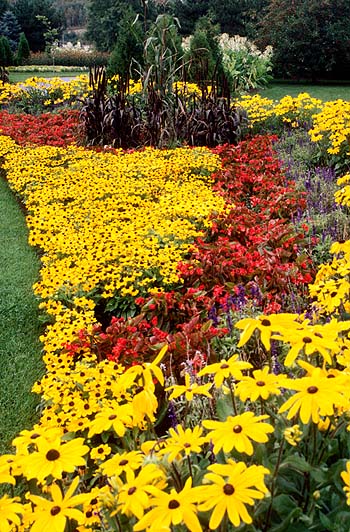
(20, 349)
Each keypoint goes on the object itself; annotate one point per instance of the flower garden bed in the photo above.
(197, 358)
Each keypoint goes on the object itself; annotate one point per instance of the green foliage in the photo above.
(203, 55)
(6, 55)
(129, 46)
(104, 17)
(71, 58)
(4, 6)
(27, 11)
(244, 65)
(233, 16)
(163, 54)
(10, 28)
(23, 51)
(188, 12)
(310, 39)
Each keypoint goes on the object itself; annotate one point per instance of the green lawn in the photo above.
(17, 77)
(325, 92)
(20, 349)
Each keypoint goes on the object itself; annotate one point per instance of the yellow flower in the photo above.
(6, 473)
(190, 390)
(117, 419)
(183, 441)
(134, 495)
(54, 458)
(312, 339)
(261, 385)
(345, 475)
(267, 325)
(293, 435)
(147, 371)
(231, 487)
(317, 395)
(172, 508)
(9, 510)
(237, 432)
(232, 367)
(122, 463)
(100, 452)
(53, 515)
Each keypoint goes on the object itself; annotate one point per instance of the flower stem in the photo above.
(190, 467)
(273, 484)
(232, 397)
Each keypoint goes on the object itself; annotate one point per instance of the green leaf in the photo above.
(298, 463)
(284, 526)
(325, 521)
(283, 504)
(224, 407)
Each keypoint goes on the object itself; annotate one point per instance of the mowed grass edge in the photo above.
(20, 349)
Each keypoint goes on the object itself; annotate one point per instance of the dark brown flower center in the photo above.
(173, 504)
(187, 445)
(55, 510)
(307, 340)
(237, 429)
(123, 462)
(111, 417)
(261, 383)
(131, 490)
(34, 436)
(265, 323)
(229, 489)
(100, 450)
(224, 366)
(312, 389)
(52, 455)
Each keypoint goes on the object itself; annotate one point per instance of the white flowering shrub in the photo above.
(245, 66)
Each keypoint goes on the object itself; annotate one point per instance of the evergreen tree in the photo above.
(129, 46)
(104, 17)
(6, 55)
(203, 56)
(26, 12)
(189, 11)
(10, 28)
(4, 6)
(23, 51)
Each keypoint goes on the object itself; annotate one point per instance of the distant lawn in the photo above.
(324, 92)
(20, 350)
(17, 77)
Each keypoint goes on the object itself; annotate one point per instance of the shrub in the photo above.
(23, 51)
(70, 58)
(6, 55)
(245, 66)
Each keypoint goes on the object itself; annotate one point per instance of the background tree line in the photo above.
(311, 38)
